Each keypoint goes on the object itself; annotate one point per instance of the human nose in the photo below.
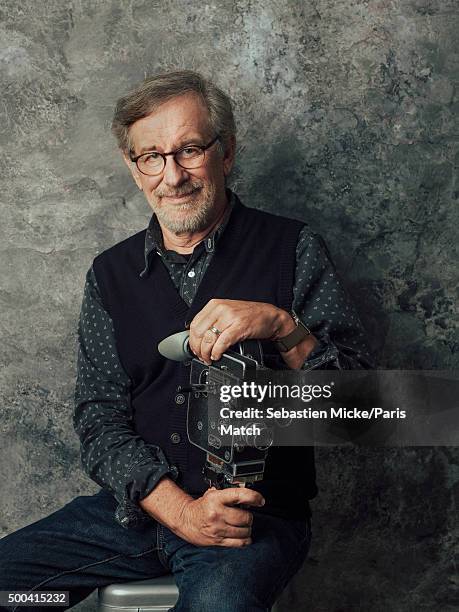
(173, 174)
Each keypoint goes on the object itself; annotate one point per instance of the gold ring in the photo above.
(215, 331)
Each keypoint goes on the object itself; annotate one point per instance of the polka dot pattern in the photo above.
(112, 453)
(322, 303)
(186, 271)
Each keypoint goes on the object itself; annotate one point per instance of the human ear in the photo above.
(133, 170)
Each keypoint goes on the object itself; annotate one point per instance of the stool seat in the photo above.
(158, 594)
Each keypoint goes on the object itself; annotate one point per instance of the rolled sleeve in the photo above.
(112, 453)
(322, 303)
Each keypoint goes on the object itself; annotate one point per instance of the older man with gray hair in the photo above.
(228, 273)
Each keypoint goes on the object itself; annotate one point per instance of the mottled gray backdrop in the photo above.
(345, 112)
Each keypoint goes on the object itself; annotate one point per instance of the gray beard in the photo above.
(201, 212)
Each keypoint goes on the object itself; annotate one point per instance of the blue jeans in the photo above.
(81, 547)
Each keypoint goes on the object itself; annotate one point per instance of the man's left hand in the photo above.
(222, 323)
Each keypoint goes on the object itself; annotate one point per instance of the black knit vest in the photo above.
(254, 260)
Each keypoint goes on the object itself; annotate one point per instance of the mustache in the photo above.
(180, 191)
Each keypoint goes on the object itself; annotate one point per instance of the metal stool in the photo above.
(158, 594)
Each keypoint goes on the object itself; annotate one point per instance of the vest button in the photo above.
(179, 399)
(175, 438)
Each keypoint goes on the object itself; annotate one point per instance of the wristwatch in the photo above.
(295, 337)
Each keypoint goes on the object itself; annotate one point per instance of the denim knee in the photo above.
(210, 595)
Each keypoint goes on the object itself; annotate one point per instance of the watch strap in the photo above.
(295, 337)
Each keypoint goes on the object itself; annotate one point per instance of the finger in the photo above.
(221, 311)
(205, 310)
(240, 495)
(195, 341)
(205, 317)
(239, 533)
(238, 517)
(235, 543)
(207, 344)
(229, 336)
(201, 335)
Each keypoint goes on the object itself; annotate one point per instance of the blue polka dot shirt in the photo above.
(112, 452)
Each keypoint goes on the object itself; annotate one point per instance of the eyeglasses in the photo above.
(153, 163)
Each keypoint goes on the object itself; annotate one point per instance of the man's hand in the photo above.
(213, 519)
(237, 320)
(222, 323)
(209, 520)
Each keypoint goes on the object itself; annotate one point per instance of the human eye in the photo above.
(151, 156)
(189, 151)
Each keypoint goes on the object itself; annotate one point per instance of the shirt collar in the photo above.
(154, 238)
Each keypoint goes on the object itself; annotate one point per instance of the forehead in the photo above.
(172, 124)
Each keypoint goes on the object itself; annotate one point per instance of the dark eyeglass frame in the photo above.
(173, 153)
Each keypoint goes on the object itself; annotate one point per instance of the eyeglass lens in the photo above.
(153, 163)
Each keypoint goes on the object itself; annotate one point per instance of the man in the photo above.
(229, 273)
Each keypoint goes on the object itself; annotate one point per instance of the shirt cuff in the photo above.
(325, 353)
(140, 481)
(330, 356)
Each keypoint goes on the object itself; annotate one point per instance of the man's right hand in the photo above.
(210, 520)
(214, 519)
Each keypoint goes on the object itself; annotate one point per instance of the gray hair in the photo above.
(156, 90)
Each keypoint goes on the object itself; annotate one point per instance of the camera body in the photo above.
(231, 460)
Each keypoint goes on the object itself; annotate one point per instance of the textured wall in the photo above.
(345, 114)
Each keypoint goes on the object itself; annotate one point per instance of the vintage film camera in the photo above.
(236, 460)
